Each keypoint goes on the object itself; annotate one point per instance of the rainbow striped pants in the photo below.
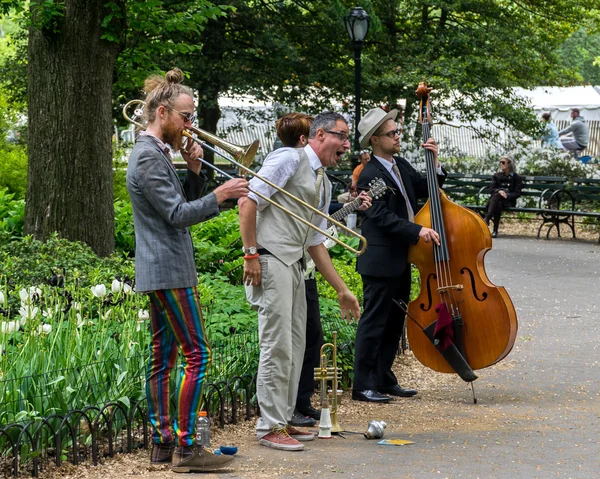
(176, 324)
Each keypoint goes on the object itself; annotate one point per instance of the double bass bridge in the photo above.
(452, 287)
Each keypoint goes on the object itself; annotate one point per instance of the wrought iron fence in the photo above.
(88, 413)
(39, 428)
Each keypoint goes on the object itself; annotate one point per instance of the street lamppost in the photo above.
(357, 24)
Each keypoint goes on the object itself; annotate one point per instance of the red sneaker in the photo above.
(279, 438)
(299, 435)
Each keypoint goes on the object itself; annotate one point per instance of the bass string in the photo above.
(441, 253)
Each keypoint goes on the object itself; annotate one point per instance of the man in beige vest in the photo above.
(274, 246)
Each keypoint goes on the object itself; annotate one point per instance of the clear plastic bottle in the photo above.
(203, 429)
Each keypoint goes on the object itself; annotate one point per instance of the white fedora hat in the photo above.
(371, 121)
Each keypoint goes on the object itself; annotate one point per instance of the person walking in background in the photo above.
(578, 131)
(505, 189)
(550, 137)
(163, 210)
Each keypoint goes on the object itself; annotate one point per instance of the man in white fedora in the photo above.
(389, 229)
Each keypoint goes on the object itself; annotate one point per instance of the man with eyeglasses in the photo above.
(386, 274)
(275, 244)
(163, 211)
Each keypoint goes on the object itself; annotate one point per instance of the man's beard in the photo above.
(173, 137)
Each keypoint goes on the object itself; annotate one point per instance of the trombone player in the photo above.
(274, 245)
(163, 210)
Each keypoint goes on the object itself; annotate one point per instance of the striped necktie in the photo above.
(411, 214)
(320, 174)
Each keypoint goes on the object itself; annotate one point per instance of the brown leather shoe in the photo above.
(197, 459)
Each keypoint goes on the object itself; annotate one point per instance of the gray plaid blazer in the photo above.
(163, 211)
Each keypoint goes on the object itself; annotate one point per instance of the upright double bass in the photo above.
(460, 322)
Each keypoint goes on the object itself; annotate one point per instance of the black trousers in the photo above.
(495, 206)
(314, 341)
(379, 331)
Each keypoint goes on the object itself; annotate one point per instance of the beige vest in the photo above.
(281, 234)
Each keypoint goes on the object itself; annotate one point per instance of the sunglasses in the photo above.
(191, 117)
(503, 162)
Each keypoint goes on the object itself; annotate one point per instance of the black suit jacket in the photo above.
(385, 225)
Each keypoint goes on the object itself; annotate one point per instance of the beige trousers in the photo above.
(280, 301)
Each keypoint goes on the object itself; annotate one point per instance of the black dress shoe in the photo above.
(494, 234)
(310, 412)
(298, 420)
(369, 395)
(396, 390)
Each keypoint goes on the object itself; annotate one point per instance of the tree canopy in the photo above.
(83, 56)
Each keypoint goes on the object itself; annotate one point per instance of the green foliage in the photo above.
(12, 213)
(13, 169)
(124, 232)
(32, 262)
(227, 311)
(119, 182)
(217, 246)
(579, 53)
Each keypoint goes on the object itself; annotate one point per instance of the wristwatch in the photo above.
(249, 250)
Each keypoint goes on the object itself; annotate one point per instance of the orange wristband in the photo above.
(251, 256)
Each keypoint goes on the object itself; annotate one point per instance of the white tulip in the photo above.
(99, 291)
(143, 314)
(80, 321)
(116, 286)
(106, 315)
(127, 289)
(7, 327)
(24, 295)
(45, 328)
(76, 306)
(27, 312)
(33, 290)
(1, 297)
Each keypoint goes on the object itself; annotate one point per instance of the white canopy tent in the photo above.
(558, 101)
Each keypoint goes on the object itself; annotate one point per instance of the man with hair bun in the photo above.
(163, 211)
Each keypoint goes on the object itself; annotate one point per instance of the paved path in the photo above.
(538, 412)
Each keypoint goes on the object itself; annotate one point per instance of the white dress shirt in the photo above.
(279, 166)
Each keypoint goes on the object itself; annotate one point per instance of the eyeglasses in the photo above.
(191, 117)
(392, 134)
(342, 136)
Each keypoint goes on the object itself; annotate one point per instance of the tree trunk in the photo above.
(70, 75)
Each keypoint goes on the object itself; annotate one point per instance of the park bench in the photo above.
(544, 196)
(579, 201)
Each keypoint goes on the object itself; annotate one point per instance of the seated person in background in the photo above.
(363, 157)
(504, 191)
(550, 137)
(579, 133)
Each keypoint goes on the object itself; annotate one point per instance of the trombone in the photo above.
(244, 156)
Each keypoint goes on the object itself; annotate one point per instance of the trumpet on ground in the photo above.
(329, 407)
